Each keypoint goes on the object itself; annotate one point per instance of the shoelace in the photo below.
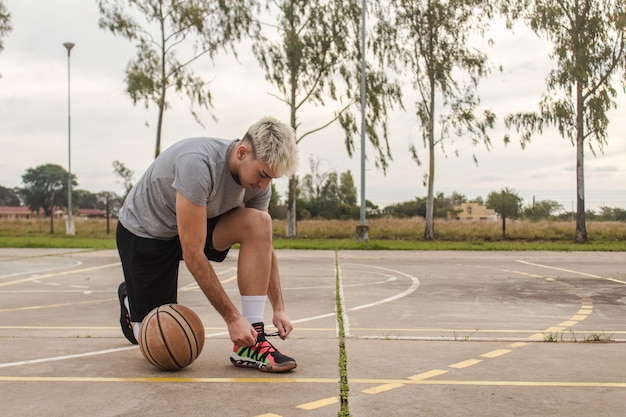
(262, 348)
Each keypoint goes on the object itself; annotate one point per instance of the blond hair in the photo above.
(274, 143)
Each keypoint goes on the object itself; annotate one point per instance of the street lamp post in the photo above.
(362, 230)
(69, 223)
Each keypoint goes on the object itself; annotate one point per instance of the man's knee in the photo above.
(243, 225)
(259, 223)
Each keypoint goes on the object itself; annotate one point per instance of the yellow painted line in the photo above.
(517, 345)
(495, 353)
(39, 307)
(446, 330)
(173, 379)
(584, 311)
(381, 388)
(322, 402)
(95, 328)
(554, 329)
(559, 384)
(59, 327)
(268, 415)
(465, 364)
(319, 403)
(197, 287)
(429, 374)
(579, 317)
(568, 323)
(3, 310)
(57, 274)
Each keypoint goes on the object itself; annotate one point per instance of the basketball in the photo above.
(171, 337)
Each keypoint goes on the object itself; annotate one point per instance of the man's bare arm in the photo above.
(192, 226)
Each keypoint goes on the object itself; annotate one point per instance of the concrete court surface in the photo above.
(428, 334)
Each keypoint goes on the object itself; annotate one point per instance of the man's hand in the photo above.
(283, 324)
(241, 332)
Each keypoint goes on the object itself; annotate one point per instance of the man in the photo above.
(196, 200)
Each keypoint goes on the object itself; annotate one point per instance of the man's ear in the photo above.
(242, 151)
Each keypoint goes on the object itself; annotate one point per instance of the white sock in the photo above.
(252, 307)
(136, 326)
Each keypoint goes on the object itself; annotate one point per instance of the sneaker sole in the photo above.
(124, 322)
(243, 362)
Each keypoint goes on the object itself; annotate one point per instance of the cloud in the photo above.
(107, 127)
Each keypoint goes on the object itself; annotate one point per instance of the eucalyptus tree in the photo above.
(312, 56)
(125, 175)
(588, 38)
(170, 35)
(430, 40)
(347, 190)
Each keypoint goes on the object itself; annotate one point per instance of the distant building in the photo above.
(17, 212)
(475, 212)
(23, 212)
(92, 213)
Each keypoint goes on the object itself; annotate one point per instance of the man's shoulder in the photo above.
(200, 143)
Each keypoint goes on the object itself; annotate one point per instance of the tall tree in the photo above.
(45, 187)
(542, 209)
(166, 30)
(315, 59)
(125, 174)
(429, 39)
(589, 48)
(9, 197)
(5, 24)
(507, 203)
(347, 190)
(313, 183)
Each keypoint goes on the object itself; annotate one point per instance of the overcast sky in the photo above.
(106, 126)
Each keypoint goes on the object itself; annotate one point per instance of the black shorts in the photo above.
(150, 268)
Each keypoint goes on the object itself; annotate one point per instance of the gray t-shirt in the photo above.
(198, 169)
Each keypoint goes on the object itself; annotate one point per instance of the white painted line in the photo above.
(560, 269)
(57, 274)
(65, 357)
(414, 286)
(344, 316)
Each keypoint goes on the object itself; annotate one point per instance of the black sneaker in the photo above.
(127, 326)
(262, 356)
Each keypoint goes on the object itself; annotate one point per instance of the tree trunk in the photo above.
(157, 149)
(291, 230)
(581, 228)
(108, 213)
(429, 230)
(51, 214)
(503, 227)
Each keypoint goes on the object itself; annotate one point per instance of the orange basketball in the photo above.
(171, 337)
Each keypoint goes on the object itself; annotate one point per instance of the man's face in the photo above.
(253, 173)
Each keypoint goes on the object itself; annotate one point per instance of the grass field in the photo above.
(387, 233)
